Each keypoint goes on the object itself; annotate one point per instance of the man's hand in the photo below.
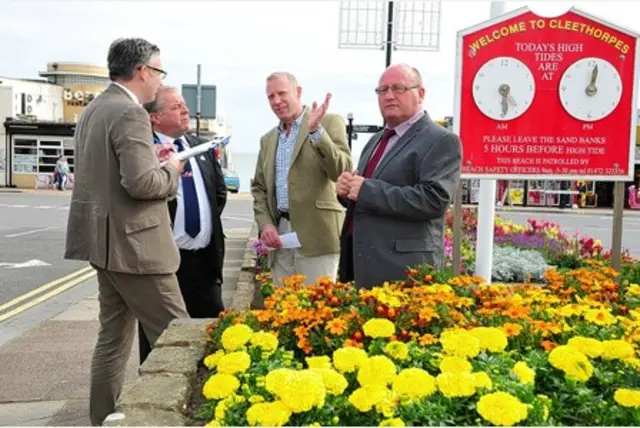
(317, 113)
(270, 236)
(177, 164)
(342, 186)
(354, 187)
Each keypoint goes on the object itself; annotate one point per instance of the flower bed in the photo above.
(433, 349)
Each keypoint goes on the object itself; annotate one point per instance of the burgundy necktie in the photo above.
(368, 172)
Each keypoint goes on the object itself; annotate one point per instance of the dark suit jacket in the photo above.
(399, 215)
(217, 193)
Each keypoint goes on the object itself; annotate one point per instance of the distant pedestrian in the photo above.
(62, 172)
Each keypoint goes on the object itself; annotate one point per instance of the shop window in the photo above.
(31, 155)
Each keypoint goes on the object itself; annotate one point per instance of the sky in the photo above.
(238, 43)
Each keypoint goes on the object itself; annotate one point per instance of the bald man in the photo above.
(397, 198)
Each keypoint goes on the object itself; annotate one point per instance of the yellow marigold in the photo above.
(633, 290)
(264, 340)
(334, 382)
(220, 385)
(600, 317)
(572, 362)
(347, 360)
(377, 370)
(320, 362)
(590, 347)
(633, 362)
(571, 310)
(397, 350)
(482, 380)
(304, 380)
(455, 365)
(379, 327)
(211, 361)
(523, 372)
(394, 422)
(460, 343)
(236, 336)
(627, 397)
(502, 409)
(456, 384)
(268, 414)
(213, 423)
(414, 383)
(365, 398)
(234, 362)
(616, 350)
(492, 339)
(276, 380)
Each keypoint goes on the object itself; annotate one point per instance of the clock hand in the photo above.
(504, 90)
(505, 106)
(592, 89)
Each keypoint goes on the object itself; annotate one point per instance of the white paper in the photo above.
(290, 240)
(195, 151)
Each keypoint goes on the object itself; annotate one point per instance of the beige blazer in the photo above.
(314, 210)
(118, 218)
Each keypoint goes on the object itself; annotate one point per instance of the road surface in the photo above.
(32, 269)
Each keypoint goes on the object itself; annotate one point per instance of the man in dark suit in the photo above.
(195, 212)
(397, 198)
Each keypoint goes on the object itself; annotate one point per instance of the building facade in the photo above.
(39, 118)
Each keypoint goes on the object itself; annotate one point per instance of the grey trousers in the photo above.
(155, 300)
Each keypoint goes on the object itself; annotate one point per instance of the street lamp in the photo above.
(350, 128)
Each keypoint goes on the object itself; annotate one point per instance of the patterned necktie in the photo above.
(374, 160)
(190, 197)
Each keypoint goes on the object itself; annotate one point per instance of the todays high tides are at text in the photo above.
(554, 24)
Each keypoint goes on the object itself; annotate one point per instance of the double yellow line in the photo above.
(58, 286)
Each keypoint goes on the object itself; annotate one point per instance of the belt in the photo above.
(282, 214)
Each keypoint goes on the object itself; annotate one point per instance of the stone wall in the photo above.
(161, 394)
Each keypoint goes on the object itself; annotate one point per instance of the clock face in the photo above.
(503, 88)
(590, 89)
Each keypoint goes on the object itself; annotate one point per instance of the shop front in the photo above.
(33, 148)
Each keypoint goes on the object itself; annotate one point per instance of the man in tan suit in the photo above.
(294, 183)
(118, 219)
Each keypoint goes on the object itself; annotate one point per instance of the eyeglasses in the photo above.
(396, 89)
(160, 71)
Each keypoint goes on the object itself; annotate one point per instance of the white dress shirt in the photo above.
(128, 91)
(183, 240)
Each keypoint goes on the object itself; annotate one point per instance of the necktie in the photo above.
(374, 160)
(190, 197)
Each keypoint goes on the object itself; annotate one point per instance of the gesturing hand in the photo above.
(317, 113)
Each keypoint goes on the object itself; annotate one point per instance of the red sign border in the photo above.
(457, 103)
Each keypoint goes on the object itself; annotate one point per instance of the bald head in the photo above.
(400, 93)
(412, 74)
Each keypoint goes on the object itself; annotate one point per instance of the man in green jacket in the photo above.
(293, 187)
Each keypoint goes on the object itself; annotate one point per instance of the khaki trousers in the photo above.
(291, 261)
(155, 300)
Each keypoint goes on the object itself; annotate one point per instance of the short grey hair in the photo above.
(125, 55)
(155, 105)
(283, 74)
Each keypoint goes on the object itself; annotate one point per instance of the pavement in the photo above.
(48, 332)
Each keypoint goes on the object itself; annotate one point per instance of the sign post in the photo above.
(549, 98)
